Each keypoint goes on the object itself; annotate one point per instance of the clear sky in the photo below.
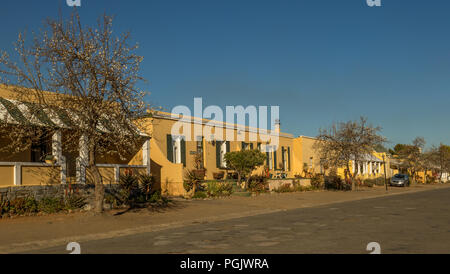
(319, 60)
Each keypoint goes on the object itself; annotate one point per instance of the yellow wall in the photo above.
(305, 154)
(6, 176)
(40, 175)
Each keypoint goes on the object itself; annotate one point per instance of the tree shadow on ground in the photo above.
(159, 207)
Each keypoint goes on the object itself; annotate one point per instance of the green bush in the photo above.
(51, 205)
(147, 184)
(317, 181)
(258, 184)
(219, 189)
(129, 189)
(191, 180)
(200, 195)
(371, 182)
(74, 202)
(20, 206)
(334, 182)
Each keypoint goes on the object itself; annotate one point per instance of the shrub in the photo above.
(200, 195)
(156, 197)
(51, 205)
(317, 181)
(191, 180)
(300, 188)
(334, 182)
(129, 189)
(284, 188)
(258, 184)
(20, 206)
(219, 189)
(147, 184)
(75, 202)
(372, 182)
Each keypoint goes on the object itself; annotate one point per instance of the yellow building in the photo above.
(307, 162)
(173, 154)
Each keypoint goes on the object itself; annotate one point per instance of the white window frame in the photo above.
(223, 151)
(176, 148)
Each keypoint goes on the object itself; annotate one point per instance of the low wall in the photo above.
(277, 183)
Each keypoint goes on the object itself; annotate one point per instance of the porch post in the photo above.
(57, 153)
(82, 160)
(17, 174)
(146, 155)
(116, 174)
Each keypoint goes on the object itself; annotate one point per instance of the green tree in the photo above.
(412, 156)
(244, 162)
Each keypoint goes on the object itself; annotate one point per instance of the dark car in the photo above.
(400, 180)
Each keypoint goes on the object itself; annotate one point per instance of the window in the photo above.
(222, 148)
(200, 149)
(223, 151)
(176, 149)
(244, 146)
(39, 149)
(270, 156)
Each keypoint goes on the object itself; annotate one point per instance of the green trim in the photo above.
(39, 113)
(14, 111)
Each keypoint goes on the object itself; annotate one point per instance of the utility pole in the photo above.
(385, 176)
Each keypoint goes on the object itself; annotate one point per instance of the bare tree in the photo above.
(82, 73)
(348, 141)
(440, 157)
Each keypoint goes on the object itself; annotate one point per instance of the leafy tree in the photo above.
(244, 162)
(412, 156)
(347, 141)
(92, 75)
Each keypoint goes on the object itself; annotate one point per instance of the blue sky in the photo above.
(319, 60)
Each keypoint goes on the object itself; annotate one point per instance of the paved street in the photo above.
(411, 223)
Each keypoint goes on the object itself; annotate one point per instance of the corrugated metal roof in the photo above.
(25, 113)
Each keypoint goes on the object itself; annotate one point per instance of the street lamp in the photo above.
(385, 178)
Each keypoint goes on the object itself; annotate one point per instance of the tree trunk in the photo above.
(351, 177)
(98, 182)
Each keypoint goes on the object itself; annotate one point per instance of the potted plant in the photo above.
(50, 159)
(199, 171)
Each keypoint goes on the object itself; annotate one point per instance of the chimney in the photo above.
(277, 125)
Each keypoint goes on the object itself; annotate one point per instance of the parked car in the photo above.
(400, 180)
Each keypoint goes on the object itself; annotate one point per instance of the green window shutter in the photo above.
(183, 152)
(228, 146)
(267, 159)
(289, 158)
(218, 145)
(169, 148)
(275, 160)
(244, 145)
